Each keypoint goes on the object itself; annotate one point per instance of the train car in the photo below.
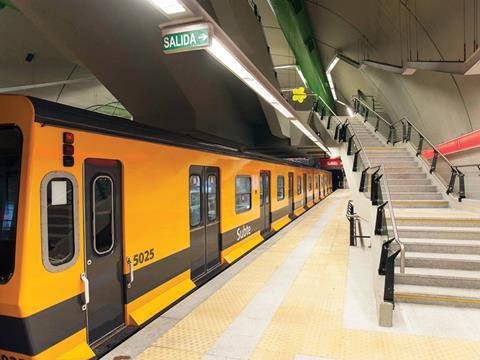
(106, 223)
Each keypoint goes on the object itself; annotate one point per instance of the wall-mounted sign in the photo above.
(186, 38)
(331, 163)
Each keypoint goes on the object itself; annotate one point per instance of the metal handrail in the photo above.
(429, 142)
(389, 200)
(394, 224)
(369, 108)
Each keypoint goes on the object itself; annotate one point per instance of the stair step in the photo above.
(411, 188)
(448, 246)
(416, 196)
(404, 176)
(420, 203)
(438, 232)
(408, 170)
(431, 221)
(396, 164)
(408, 182)
(440, 260)
(438, 277)
(437, 295)
(386, 157)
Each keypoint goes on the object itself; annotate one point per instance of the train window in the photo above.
(212, 198)
(317, 181)
(195, 200)
(59, 201)
(243, 193)
(309, 183)
(10, 159)
(280, 187)
(299, 185)
(103, 221)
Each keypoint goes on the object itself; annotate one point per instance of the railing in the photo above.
(344, 132)
(380, 124)
(378, 188)
(438, 161)
(354, 220)
(404, 130)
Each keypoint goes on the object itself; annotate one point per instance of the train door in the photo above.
(103, 247)
(265, 220)
(305, 192)
(204, 219)
(291, 202)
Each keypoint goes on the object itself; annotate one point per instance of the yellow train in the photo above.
(105, 222)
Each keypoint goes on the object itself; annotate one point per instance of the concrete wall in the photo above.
(441, 105)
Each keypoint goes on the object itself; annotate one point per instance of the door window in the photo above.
(299, 185)
(59, 221)
(103, 222)
(212, 198)
(280, 188)
(267, 189)
(195, 200)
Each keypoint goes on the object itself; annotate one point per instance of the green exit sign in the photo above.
(186, 38)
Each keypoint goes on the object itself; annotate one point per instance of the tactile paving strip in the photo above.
(309, 322)
(197, 332)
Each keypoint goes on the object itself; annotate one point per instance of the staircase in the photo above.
(442, 244)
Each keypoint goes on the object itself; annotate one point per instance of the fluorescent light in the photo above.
(332, 87)
(332, 64)
(350, 111)
(301, 76)
(307, 133)
(293, 66)
(218, 51)
(170, 7)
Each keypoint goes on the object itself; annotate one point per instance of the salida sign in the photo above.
(186, 38)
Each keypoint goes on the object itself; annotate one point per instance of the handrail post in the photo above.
(390, 135)
(322, 112)
(366, 115)
(389, 291)
(363, 178)
(434, 161)
(379, 226)
(451, 184)
(355, 161)
(404, 131)
(337, 130)
(461, 192)
(350, 142)
(420, 145)
(329, 121)
(377, 124)
(409, 133)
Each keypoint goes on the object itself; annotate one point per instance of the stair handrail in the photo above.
(394, 224)
(356, 98)
(433, 146)
(396, 237)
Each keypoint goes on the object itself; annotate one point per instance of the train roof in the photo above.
(55, 114)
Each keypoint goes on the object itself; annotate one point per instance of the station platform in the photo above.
(287, 299)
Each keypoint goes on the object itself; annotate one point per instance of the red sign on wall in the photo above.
(331, 163)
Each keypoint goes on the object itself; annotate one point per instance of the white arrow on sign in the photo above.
(203, 37)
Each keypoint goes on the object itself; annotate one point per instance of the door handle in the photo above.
(86, 286)
(132, 269)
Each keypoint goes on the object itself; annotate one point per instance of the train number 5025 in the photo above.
(144, 256)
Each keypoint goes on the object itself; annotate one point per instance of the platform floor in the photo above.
(285, 300)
